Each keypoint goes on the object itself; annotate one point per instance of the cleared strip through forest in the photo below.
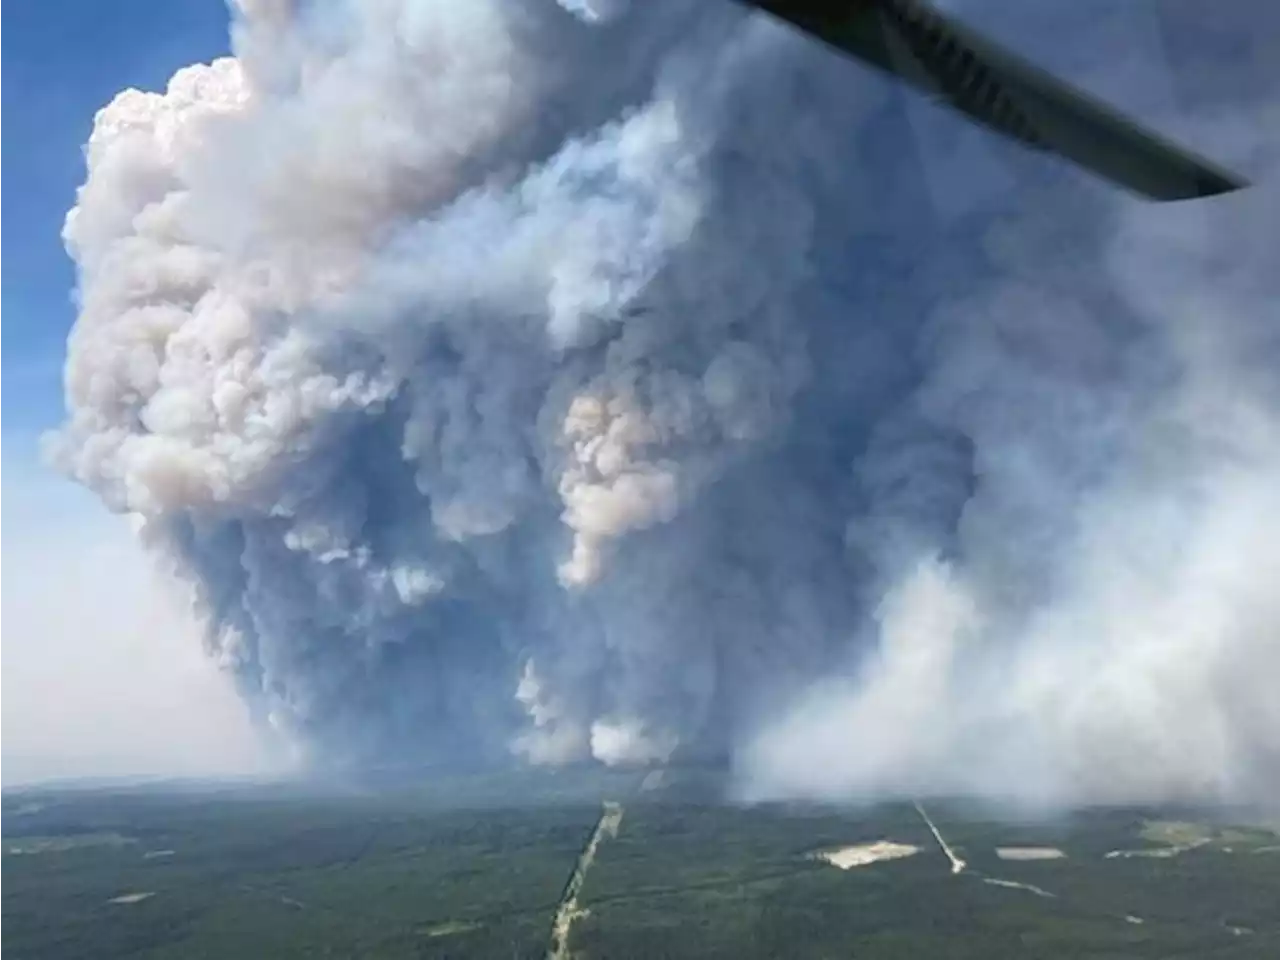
(567, 912)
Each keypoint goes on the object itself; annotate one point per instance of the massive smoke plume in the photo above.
(517, 380)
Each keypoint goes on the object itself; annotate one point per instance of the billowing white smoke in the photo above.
(597, 380)
(1105, 625)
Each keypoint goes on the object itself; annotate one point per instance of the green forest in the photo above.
(477, 867)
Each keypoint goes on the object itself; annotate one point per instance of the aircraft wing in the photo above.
(1005, 93)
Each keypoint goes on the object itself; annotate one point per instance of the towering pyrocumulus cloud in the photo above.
(606, 379)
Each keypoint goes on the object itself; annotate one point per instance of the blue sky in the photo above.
(62, 62)
(71, 669)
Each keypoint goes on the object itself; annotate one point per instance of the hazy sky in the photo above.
(102, 668)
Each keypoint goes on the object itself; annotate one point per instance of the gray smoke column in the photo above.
(537, 382)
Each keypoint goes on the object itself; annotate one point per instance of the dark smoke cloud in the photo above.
(518, 382)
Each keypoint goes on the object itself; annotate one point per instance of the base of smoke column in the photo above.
(693, 778)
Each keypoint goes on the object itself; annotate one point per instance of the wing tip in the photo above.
(1215, 184)
(1201, 185)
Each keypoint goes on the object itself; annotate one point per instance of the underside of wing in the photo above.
(1005, 93)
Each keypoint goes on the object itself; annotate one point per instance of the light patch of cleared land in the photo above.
(1029, 853)
(846, 858)
(1015, 885)
(59, 844)
(1155, 853)
(1176, 833)
(157, 854)
(450, 927)
(1173, 837)
(653, 780)
(132, 897)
